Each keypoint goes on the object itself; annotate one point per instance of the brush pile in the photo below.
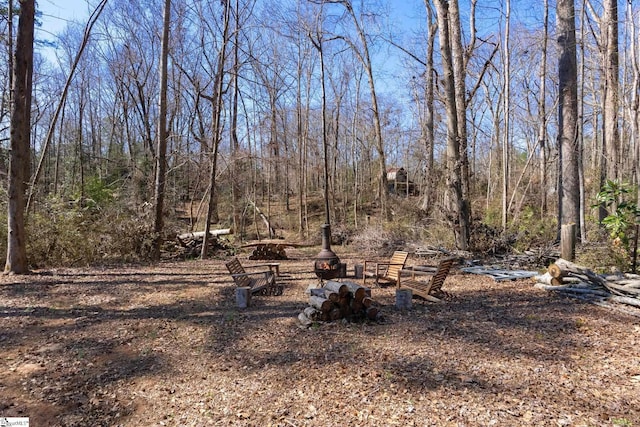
(580, 282)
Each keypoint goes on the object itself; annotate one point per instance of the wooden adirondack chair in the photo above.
(262, 282)
(385, 271)
(430, 290)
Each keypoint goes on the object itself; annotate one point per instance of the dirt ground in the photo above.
(165, 345)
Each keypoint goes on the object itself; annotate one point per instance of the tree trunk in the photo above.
(455, 205)
(216, 131)
(19, 162)
(542, 115)
(460, 75)
(428, 125)
(568, 176)
(611, 136)
(506, 146)
(161, 156)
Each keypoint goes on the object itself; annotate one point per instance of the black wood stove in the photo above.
(327, 265)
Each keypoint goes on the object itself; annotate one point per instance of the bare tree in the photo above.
(61, 103)
(635, 99)
(216, 100)
(427, 128)
(542, 112)
(19, 164)
(611, 136)
(362, 52)
(506, 146)
(455, 205)
(568, 176)
(161, 153)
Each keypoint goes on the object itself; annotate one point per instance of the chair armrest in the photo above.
(415, 272)
(252, 273)
(273, 266)
(425, 268)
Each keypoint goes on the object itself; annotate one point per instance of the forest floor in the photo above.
(165, 345)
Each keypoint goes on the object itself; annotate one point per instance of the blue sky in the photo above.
(57, 13)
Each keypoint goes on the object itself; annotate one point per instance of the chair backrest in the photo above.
(397, 262)
(235, 267)
(437, 280)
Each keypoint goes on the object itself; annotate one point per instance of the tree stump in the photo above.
(243, 296)
(568, 242)
(403, 299)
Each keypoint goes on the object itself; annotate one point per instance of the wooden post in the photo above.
(403, 299)
(568, 242)
(634, 257)
(357, 271)
(243, 296)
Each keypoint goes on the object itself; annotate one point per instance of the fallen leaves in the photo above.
(166, 346)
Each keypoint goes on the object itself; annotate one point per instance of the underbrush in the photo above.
(67, 234)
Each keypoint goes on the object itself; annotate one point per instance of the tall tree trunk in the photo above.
(542, 114)
(568, 176)
(318, 44)
(455, 205)
(460, 73)
(635, 101)
(216, 129)
(161, 153)
(611, 137)
(19, 162)
(235, 144)
(506, 146)
(428, 125)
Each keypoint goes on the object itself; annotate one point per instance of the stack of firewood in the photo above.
(339, 300)
(575, 280)
(268, 251)
(189, 245)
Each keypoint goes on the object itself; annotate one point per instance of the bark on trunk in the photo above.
(19, 163)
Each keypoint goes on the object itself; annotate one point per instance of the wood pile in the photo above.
(189, 245)
(339, 300)
(578, 281)
(268, 251)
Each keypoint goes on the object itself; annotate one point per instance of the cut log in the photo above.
(563, 268)
(337, 300)
(310, 312)
(304, 319)
(547, 279)
(332, 296)
(243, 296)
(372, 313)
(322, 304)
(335, 314)
(358, 291)
(317, 292)
(337, 287)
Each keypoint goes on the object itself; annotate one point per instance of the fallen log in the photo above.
(573, 289)
(200, 234)
(625, 300)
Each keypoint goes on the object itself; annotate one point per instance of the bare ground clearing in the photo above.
(165, 345)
